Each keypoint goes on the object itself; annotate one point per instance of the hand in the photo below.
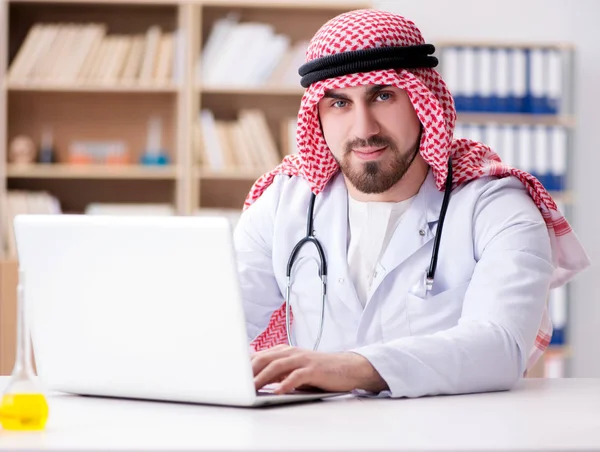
(295, 368)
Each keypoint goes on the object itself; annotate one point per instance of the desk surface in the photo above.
(554, 414)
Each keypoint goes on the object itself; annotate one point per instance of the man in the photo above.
(392, 306)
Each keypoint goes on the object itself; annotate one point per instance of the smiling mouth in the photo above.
(370, 155)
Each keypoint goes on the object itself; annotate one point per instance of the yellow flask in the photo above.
(24, 411)
(23, 406)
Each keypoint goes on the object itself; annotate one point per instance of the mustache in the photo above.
(374, 141)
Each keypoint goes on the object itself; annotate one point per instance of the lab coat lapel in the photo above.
(416, 228)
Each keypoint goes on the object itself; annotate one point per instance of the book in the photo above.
(150, 58)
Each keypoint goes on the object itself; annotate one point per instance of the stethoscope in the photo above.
(429, 277)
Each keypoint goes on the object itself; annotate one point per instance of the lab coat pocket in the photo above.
(437, 312)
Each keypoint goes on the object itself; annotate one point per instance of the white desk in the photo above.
(538, 415)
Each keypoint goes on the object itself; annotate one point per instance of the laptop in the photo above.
(139, 307)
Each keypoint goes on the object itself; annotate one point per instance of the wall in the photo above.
(573, 21)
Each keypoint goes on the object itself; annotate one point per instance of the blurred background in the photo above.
(159, 107)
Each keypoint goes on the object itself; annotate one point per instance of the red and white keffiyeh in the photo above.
(434, 105)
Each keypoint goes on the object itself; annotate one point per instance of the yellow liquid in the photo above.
(23, 412)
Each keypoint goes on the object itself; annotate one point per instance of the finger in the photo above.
(260, 361)
(277, 369)
(280, 347)
(276, 348)
(295, 380)
(263, 359)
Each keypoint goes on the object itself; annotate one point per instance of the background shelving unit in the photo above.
(538, 79)
(110, 108)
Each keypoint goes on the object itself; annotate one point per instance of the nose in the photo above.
(365, 123)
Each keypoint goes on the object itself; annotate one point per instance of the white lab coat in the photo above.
(473, 332)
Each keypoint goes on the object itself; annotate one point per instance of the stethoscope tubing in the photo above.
(310, 238)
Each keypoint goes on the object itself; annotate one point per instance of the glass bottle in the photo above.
(24, 405)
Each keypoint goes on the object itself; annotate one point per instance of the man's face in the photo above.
(373, 133)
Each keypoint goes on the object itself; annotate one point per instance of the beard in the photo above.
(377, 176)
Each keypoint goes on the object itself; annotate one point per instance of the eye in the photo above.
(339, 104)
(384, 96)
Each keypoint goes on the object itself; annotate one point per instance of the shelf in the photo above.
(516, 119)
(252, 91)
(66, 171)
(85, 88)
(229, 175)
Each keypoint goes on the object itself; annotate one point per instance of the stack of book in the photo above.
(244, 145)
(65, 53)
(540, 150)
(512, 80)
(249, 54)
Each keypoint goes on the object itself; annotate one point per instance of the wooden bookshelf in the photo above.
(98, 108)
